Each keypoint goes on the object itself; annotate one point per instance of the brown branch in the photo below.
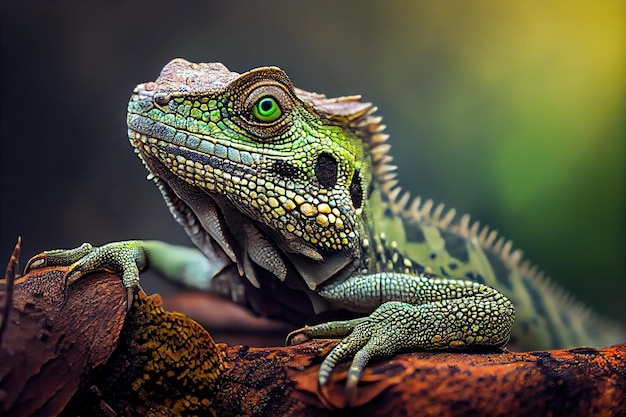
(54, 335)
(67, 341)
(6, 296)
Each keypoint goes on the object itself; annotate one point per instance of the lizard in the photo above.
(293, 202)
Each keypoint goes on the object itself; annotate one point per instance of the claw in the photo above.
(351, 345)
(346, 348)
(73, 273)
(37, 261)
(57, 257)
(337, 354)
(298, 336)
(130, 296)
(360, 361)
(354, 375)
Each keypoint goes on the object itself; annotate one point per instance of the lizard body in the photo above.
(293, 199)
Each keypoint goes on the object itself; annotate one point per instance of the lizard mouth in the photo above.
(204, 163)
(217, 175)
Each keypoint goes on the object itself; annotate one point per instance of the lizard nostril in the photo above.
(326, 170)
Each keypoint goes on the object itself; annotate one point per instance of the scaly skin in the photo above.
(292, 199)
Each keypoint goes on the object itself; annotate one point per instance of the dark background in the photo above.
(513, 112)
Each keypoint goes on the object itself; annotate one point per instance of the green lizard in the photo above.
(292, 199)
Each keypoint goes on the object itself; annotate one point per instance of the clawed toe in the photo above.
(298, 336)
(37, 261)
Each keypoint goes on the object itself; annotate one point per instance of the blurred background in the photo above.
(511, 111)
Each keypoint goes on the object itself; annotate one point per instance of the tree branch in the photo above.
(75, 349)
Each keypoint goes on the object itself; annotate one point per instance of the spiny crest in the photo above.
(361, 116)
(415, 209)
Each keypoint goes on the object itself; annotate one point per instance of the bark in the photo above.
(53, 336)
(74, 349)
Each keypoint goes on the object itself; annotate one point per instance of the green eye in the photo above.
(266, 109)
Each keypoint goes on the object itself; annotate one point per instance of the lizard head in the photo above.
(292, 161)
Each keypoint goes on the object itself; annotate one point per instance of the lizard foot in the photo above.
(396, 326)
(123, 258)
(381, 334)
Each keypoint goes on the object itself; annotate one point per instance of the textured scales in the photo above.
(293, 198)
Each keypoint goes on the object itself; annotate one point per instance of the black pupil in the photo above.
(266, 105)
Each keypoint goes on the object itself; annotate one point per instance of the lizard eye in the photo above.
(266, 109)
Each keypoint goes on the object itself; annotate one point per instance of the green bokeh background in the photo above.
(511, 111)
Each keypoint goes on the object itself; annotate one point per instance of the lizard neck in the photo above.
(381, 251)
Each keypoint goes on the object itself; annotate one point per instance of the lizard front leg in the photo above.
(410, 313)
(127, 258)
